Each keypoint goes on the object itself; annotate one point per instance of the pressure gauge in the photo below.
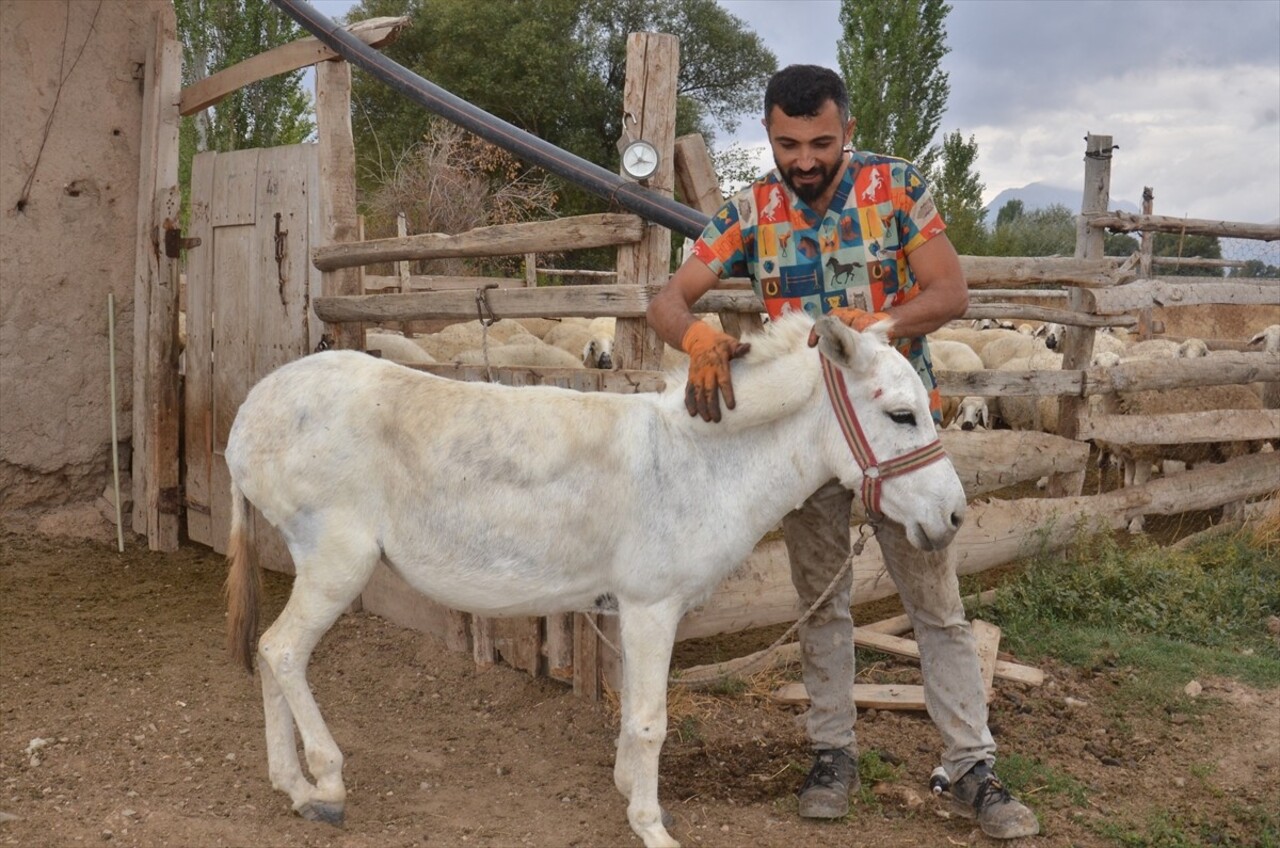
(640, 160)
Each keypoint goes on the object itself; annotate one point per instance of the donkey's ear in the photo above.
(843, 346)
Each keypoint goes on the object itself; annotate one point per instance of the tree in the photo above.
(217, 34)
(958, 194)
(890, 55)
(1254, 268)
(1050, 231)
(554, 68)
(1177, 245)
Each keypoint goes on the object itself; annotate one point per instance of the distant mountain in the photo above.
(1041, 195)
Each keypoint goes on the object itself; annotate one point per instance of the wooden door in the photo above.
(249, 289)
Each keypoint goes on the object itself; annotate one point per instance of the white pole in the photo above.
(115, 442)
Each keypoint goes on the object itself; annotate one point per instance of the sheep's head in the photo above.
(598, 353)
(1191, 349)
(974, 413)
(1268, 339)
(1054, 335)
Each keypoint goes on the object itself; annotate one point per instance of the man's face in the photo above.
(807, 150)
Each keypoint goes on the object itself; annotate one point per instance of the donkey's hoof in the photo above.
(319, 811)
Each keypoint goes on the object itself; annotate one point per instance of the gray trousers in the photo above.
(818, 542)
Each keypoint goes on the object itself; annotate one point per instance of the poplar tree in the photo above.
(890, 54)
(958, 193)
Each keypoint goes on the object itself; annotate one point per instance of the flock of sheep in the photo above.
(957, 347)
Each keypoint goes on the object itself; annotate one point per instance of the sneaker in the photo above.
(981, 795)
(825, 793)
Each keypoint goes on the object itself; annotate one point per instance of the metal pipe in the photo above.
(613, 187)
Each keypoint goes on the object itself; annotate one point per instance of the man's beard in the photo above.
(809, 192)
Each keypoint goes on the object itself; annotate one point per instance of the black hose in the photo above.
(631, 196)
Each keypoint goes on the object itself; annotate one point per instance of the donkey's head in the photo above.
(886, 444)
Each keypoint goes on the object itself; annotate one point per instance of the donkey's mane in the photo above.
(764, 387)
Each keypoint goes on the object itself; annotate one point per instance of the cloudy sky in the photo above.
(1189, 91)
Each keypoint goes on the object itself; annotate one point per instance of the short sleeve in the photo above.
(918, 216)
(720, 246)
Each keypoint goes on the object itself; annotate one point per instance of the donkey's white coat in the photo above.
(503, 501)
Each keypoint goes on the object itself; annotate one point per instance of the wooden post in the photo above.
(696, 177)
(1144, 262)
(338, 222)
(531, 270)
(156, 414)
(649, 112)
(1077, 348)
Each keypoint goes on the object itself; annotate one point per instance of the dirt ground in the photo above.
(122, 722)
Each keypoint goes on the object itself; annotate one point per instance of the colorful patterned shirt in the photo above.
(856, 255)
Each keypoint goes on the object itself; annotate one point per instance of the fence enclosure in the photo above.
(278, 248)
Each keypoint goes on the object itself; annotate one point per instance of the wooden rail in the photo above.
(583, 231)
(1127, 222)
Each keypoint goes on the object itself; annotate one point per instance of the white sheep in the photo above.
(1031, 413)
(1012, 346)
(468, 335)
(970, 411)
(519, 353)
(1139, 459)
(1268, 340)
(974, 338)
(396, 348)
(1151, 349)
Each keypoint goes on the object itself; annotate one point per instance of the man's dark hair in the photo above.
(802, 90)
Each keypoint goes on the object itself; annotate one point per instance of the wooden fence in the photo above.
(1084, 292)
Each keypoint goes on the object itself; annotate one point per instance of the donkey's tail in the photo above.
(244, 582)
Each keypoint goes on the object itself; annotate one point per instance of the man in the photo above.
(857, 235)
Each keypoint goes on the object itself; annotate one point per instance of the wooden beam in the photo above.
(339, 223)
(1144, 294)
(899, 624)
(1238, 425)
(1127, 222)
(649, 113)
(867, 696)
(995, 271)
(1053, 314)
(375, 32)
(581, 231)
(1137, 375)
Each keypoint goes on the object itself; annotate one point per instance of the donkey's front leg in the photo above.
(648, 632)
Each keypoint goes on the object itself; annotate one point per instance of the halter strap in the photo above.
(873, 472)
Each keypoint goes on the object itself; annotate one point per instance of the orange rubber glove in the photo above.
(853, 317)
(709, 354)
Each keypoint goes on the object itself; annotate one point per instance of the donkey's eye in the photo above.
(908, 418)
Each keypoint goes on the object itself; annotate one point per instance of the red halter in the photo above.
(873, 472)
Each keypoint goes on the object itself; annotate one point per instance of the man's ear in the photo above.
(849, 130)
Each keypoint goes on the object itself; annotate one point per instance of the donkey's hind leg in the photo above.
(331, 572)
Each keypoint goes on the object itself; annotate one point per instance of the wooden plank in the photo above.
(908, 648)
(519, 642)
(483, 649)
(867, 696)
(1239, 425)
(339, 224)
(586, 657)
(387, 595)
(232, 295)
(550, 302)
(649, 113)
(198, 382)
(381, 284)
(375, 32)
(277, 326)
(1013, 312)
(987, 638)
(1137, 375)
(601, 230)
(144, 262)
(983, 272)
(899, 624)
(987, 461)
(1145, 294)
(1127, 222)
(558, 647)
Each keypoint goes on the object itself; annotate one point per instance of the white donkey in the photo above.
(474, 493)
